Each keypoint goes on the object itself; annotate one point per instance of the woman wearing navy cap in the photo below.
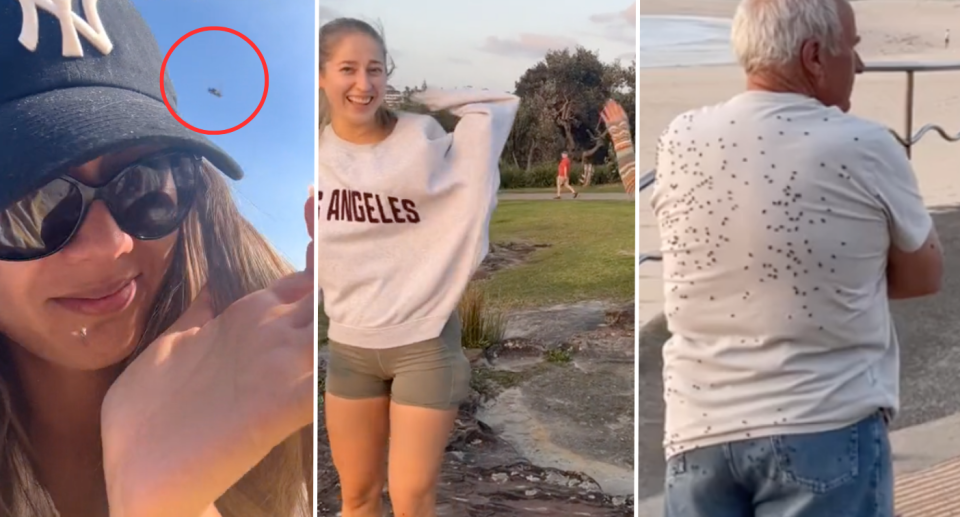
(156, 355)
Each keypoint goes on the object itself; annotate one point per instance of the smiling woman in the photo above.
(397, 372)
(135, 300)
(341, 34)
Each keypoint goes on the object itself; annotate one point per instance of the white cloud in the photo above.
(527, 45)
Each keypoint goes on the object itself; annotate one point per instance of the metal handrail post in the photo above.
(908, 130)
(911, 68)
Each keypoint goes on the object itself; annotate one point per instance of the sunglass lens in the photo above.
(40, 222)
(150, 200)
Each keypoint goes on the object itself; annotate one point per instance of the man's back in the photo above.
(776, 216)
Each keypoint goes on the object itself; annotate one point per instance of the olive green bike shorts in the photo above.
(432, 374)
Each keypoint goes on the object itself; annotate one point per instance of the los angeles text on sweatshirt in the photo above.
(404, 223)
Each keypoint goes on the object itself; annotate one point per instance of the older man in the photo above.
(787, 225)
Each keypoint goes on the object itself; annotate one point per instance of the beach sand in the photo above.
(891, 30)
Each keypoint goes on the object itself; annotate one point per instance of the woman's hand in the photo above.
(205, 402)
(618, 127)
(310, 216)
(612, 113)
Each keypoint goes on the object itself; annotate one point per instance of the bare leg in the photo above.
(358, 431)
(418, 437)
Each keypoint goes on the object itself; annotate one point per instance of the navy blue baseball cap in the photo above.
(80, 79)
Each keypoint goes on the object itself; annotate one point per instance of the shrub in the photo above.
(482, 326)
(544, 175)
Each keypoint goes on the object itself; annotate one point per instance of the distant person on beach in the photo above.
(946, 39)
(563, 176)
(405, 210)
(787, 226)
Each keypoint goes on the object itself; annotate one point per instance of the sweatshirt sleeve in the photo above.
(486, 118)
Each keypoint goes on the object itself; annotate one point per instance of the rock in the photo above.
(484, 475)
(505, 255)
(555, 325)
(622, 317)
(515, 349)
(475, 355)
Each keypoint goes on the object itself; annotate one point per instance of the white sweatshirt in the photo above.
(404, 223)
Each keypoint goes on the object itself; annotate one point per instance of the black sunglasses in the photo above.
(148, 199)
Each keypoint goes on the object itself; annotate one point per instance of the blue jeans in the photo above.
(843, 473)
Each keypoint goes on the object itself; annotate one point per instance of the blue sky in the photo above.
(489, 44)
(276, 148)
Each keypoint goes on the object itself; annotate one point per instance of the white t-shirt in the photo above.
(404, 223)
(776, 215)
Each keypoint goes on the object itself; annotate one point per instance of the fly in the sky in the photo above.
(215, 92)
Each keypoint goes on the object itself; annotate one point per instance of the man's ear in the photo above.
(811, 58)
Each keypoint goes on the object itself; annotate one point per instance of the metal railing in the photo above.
(908, 139)
(645, 181)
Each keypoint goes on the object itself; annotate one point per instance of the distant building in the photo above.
(393, 97)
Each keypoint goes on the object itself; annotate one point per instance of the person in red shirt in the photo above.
(563, 176)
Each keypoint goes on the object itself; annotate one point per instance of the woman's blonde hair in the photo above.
(331, 33)
(217, 247)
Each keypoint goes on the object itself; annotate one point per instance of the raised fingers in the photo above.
(612, 111)
(309, 214)
(310, 217)
(293, 287)
(303, 313)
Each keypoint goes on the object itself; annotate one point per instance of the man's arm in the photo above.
(917, 273)
(915, 259)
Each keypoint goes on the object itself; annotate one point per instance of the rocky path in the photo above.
(548, 430)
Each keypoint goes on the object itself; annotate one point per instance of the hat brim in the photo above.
(43, 134)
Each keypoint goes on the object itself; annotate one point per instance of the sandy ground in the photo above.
(892, 30)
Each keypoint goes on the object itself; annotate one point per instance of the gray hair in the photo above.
(769, 33)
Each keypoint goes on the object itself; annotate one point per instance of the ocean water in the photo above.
(669, 41)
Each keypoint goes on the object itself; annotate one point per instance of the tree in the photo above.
(623, 81)
(561, 97)
(534, 137)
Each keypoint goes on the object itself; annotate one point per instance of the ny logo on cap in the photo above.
(71, 26)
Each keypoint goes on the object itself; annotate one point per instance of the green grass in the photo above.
(590, 255)
(614, 188)
(558, 356)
